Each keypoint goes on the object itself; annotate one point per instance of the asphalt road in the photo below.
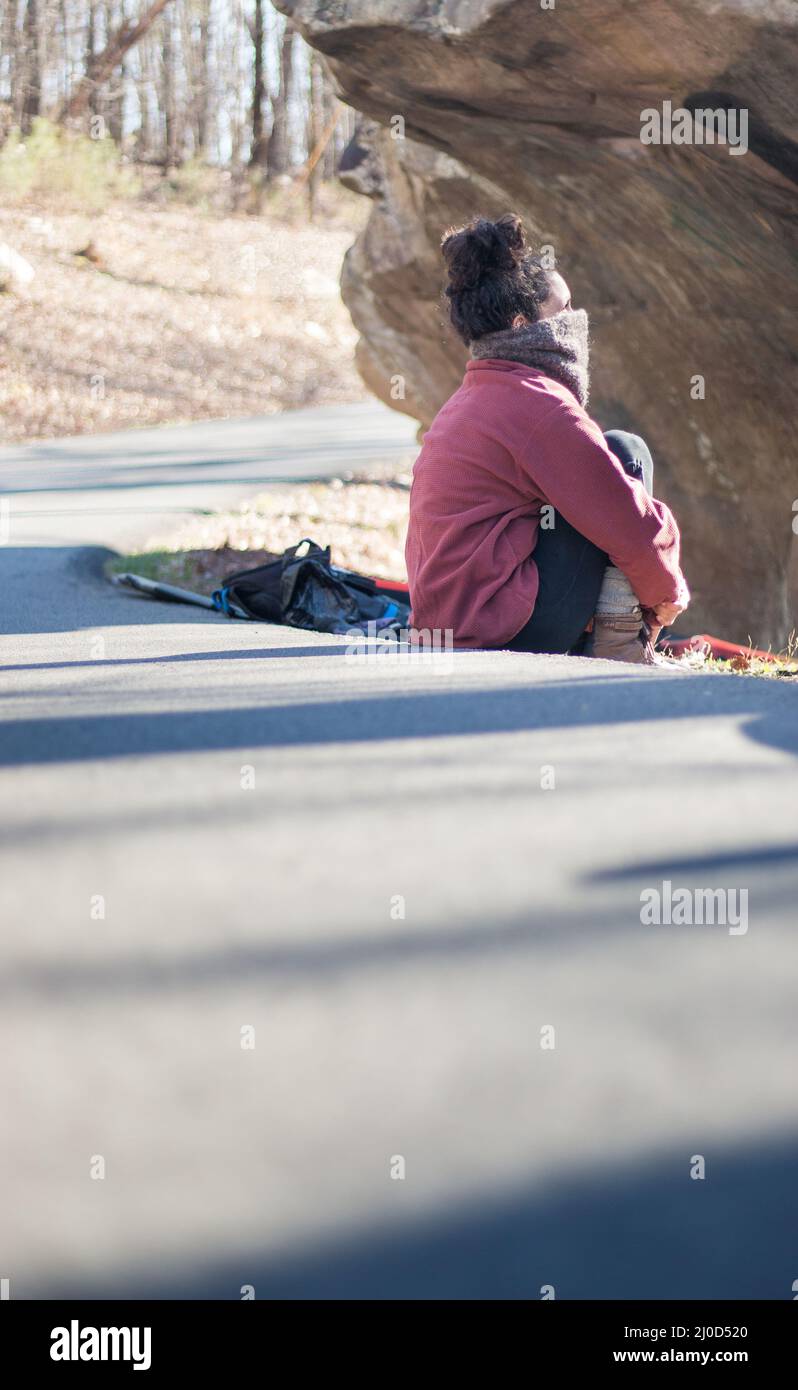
(211, 827)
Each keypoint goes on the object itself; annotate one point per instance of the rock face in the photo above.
(683, 254)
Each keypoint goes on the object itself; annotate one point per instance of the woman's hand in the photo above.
(667, 613)
(663, 615)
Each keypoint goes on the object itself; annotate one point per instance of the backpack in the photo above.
(304, 589)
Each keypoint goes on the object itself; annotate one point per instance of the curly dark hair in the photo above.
(492, 276)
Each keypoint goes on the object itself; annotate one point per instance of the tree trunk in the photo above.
(148, 138)
(332, 107)
(88, 55)
(31, 102)
(202, 76)
(316, 124)
(279, 145)
(110, 99)
(11, 58)
(168, 98)
(260, 142)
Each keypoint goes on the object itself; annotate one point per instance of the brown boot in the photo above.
(623, 638)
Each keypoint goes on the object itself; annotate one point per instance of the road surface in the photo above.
(289, 935)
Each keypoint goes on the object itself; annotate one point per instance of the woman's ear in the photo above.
(520, 322)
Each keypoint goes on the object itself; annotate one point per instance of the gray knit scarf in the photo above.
(558, 347)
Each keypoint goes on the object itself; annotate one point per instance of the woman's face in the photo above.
(559, 298)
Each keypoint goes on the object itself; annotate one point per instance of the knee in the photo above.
(633, 454)
(640, 449)
(633, 446)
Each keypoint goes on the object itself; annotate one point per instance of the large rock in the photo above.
(684, 255)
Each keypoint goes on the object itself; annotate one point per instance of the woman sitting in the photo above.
(528, 526)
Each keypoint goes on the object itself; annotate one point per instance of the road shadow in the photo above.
(746, 857)
(632, 1229)
(317, 961)
(233, 654)
(379, 717)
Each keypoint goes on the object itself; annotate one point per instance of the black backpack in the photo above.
(304, 589)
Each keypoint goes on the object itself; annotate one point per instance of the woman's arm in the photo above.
(570, 463)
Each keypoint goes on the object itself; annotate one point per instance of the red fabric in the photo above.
(392, 586)
(508, 442)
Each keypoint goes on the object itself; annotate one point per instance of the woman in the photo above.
(528, 526)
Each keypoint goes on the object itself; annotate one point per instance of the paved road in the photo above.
(210, 827)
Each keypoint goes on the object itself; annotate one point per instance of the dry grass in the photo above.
(175, 314)
(782, 665)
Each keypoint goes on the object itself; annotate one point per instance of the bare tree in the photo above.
(32, 97)
(196, 44)
(260, 142)
(91, 42)
(109, 100)
(316, 125)
(168, 94)
(145, 58)
(279, 145)
(129, 33)
(228, 81)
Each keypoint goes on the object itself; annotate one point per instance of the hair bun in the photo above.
(482, 248)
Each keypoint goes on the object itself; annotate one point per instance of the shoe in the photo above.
(619, 638)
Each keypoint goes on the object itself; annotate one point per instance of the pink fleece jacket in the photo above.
(507, 443)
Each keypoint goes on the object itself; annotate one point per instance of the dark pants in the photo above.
(571, 568)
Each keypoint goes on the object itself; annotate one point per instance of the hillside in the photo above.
(175, 314)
